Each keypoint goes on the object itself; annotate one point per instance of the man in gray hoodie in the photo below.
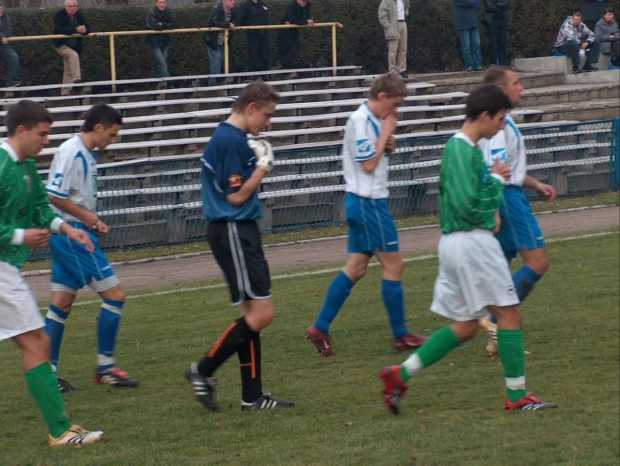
(607, 33)
(392, 16)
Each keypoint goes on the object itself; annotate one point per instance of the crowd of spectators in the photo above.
(582, 36)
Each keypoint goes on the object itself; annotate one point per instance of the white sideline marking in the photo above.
(319, 272)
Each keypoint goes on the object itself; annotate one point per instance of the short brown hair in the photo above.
(26, 113)
(578, 14)
(497, 75)
(486, 98)
(390, 83)
(259, 92)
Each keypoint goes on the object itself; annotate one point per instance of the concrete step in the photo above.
(599, 109)
(567, 93)
(467, 82)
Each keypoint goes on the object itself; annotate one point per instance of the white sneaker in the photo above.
(77, 436)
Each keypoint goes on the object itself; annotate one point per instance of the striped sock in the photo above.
(55, 322)
(512, 355)
(107, 329)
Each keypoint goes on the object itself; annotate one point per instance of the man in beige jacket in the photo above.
(392, 16)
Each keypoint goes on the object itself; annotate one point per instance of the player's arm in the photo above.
(385, 143)
(545, 190)
(248, 187)
(89, 219)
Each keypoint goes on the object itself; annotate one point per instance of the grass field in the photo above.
(453, 413)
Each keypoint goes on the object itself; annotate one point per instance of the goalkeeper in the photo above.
(232, 170)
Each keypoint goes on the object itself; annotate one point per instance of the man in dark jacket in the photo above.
(466, 23)
(70, 21)
(223, 15)
(298, 13)
(254, 13)
(592, 11)
(160, 17)
(7, 54)
(496, 20)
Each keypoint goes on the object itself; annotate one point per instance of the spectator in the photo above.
(223, 15)
(607, 34)
(575, 36)
(392, 16)
(466, 23)
(592, 11)
(496, 20)
(160, 17)
(254, 13)
(298, 13)
(70, 21)
(7, 54)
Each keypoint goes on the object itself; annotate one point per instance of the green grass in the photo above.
(453, 413)
(607, 198)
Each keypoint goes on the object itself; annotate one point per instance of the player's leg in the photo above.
(536, 264)
(512, 357)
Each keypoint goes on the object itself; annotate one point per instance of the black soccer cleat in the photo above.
(266, 402)
(65, 386)
(204, 388)
(529, 402)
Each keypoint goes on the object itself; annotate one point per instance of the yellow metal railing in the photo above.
(113, 34)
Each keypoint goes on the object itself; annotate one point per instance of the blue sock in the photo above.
(493, 318)
(524, 279)
(107, 328)
(392, 291)
(337, 293)
(55, 322)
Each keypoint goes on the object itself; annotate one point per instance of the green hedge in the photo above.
(433, 43)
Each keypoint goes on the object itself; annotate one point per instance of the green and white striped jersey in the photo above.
(23, 204)
(468, 195)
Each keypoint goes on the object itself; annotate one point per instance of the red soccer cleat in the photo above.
(411, 341)
(322, 341)
(394, 387)
(529, 402)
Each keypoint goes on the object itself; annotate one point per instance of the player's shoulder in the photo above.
(70, 148)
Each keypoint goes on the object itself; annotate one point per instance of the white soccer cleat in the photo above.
(77, 436)
(491, 329)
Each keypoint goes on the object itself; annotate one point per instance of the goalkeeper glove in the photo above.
(264, 153)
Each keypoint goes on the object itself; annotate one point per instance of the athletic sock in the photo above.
(337, 293)
(55, 322)
(234, 337)
(492, 318)
(107, 328)
(43, 387)
(512, 355)
(250, 365)
(436, 347)
(524, 279)
(392, 292)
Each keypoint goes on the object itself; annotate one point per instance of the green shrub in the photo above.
(433, 42)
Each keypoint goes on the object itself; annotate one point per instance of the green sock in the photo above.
(512, 355)
(43, 386)
(436, 347)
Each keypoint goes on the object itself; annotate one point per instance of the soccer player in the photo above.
(519, 230)
(26, 220)
(72, 189)
(231, 175)
(368, 141)
(473, 273)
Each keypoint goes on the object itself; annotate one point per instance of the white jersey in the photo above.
(73, 176)
(507, 146)
(360, 139)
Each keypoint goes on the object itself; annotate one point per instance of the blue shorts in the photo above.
(370, 226)
(519, 230)
(73, 266)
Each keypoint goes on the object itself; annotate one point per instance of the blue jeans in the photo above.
(11, 59)
(470, 46)
(160, 54)
(215, 62)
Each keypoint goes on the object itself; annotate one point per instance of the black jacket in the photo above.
(593, 10)
(253, 14)
(154, 16)
(217, 19)
(63, 24)
(295, 14)
(495, 9)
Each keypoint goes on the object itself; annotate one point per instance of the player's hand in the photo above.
(546, 191)
(498, 222)
(390, 145)
(100, 228)
(36, 237)
(89, 220)
(264, 153)
(501, 169)
(389, 125)
(81, 237)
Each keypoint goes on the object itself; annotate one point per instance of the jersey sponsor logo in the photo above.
(363, 146)
(57, 181)
(499, 154)
(234, 180)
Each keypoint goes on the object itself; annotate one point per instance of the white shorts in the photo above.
(19, 312)
(473, 274)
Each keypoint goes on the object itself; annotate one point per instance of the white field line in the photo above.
(317, 272)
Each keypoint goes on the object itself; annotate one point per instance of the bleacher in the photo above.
(149, 180)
